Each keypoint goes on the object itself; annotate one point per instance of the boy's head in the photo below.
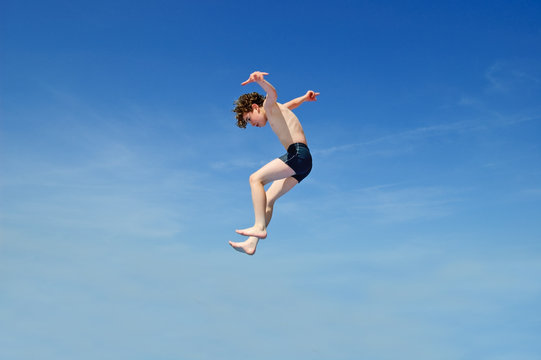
(244, 104)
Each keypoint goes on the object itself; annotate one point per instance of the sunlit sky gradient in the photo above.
(123, 176)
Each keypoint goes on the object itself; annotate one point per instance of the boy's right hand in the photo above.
(311, 95)
(255, 77)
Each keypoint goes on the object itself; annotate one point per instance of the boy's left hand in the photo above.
(311, 95)
(255, 77)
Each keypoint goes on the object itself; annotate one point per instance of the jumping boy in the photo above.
(286, 171)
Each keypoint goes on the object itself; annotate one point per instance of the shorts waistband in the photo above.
(296, 146)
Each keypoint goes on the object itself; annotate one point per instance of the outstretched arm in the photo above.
(309, 96)
(258, 77)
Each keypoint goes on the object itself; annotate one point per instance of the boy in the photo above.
(286, 171)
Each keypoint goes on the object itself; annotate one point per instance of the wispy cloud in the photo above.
(383, 204)
(495, 81)
(389, 144)
(105, 183)
(391, 204)
(236, 164)
(509, 76)
(490, 110)
(532, 194)
(117, 196)
(374, 302)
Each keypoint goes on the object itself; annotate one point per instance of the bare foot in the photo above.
(247, 247)
(253, 231)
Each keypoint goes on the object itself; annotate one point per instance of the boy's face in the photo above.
(256, 117)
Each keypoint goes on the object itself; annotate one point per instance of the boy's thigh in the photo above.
(274, 170)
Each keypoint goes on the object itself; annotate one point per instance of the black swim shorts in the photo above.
(299, 159)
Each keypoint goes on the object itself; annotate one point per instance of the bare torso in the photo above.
(285, 124)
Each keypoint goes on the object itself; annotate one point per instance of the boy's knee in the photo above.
(254, 179)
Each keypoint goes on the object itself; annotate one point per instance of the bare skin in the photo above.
(275, 191)
(275, 170)
(287, 127)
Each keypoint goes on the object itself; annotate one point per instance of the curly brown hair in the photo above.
(244, 105)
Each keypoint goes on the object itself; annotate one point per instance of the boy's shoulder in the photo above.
(273, 106)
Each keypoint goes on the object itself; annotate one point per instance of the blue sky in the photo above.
(123, 177)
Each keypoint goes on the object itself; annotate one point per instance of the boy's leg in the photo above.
(275, 170)
(275, 191)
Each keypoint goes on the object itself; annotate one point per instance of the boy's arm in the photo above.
(258, 77)
(309, 96)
